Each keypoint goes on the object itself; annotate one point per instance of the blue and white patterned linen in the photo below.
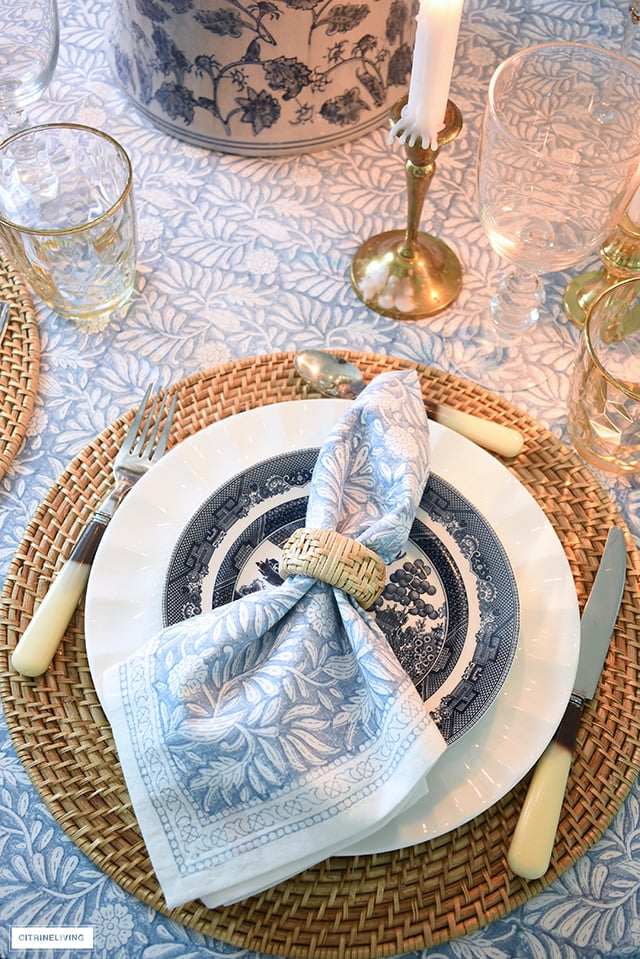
(260, 737)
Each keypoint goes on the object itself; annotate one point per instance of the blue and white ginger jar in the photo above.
(263, 78)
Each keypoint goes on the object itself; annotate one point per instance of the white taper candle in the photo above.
(433, 58)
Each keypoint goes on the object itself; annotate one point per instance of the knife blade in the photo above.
(529, 854)
(5, 314)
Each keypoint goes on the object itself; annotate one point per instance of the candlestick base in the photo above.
(407, 274)
(581, 292)
(406, 286)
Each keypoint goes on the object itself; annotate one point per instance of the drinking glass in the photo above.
(604, 390)
(67, 217)
(29, 42)
(557, 165)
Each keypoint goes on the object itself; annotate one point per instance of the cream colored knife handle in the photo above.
(43, 635)
(491, 436)
(532, 844)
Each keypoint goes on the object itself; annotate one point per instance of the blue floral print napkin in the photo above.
(262, 737)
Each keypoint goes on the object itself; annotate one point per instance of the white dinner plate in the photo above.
(125, 597)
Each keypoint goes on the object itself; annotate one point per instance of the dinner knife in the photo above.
(530, 850)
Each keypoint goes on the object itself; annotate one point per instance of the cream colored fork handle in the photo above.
(43, 635)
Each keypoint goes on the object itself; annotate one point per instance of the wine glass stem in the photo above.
(516, 304)
(603, 110)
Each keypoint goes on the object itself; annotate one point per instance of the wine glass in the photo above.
(557, 165)
(29, 42)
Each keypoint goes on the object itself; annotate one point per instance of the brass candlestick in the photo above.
(620, 255)
(410, 275)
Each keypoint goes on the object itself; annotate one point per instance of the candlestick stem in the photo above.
(409, 275)
(419, 177)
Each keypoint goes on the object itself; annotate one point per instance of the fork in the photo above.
(143, 445)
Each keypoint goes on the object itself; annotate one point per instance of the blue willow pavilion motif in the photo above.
(237, 69)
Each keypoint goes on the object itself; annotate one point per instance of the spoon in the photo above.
(333, 376)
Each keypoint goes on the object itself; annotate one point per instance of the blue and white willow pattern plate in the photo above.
(259, 79)
(450, 608)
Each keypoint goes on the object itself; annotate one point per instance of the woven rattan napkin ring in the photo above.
(336, 559)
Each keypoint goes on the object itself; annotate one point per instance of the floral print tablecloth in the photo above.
(247, 255)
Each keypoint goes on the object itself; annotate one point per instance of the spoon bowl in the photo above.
(329, 374)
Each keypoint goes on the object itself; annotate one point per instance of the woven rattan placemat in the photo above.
(364, 906)
(19, 364)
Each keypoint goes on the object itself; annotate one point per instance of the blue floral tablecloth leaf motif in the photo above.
(261, 737)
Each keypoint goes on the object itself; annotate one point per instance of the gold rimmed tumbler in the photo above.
(604, 390)
(67, 217)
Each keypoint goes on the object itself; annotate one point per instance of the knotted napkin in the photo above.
(264, 736)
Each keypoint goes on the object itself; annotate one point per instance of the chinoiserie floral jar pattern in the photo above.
(263, 77)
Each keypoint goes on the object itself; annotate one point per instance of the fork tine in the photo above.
(148, 448)
(150, 451)
(143, 448)
(164, 436)
(132, 432)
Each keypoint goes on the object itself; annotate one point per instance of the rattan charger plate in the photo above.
(19, 364)
(344, 908)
